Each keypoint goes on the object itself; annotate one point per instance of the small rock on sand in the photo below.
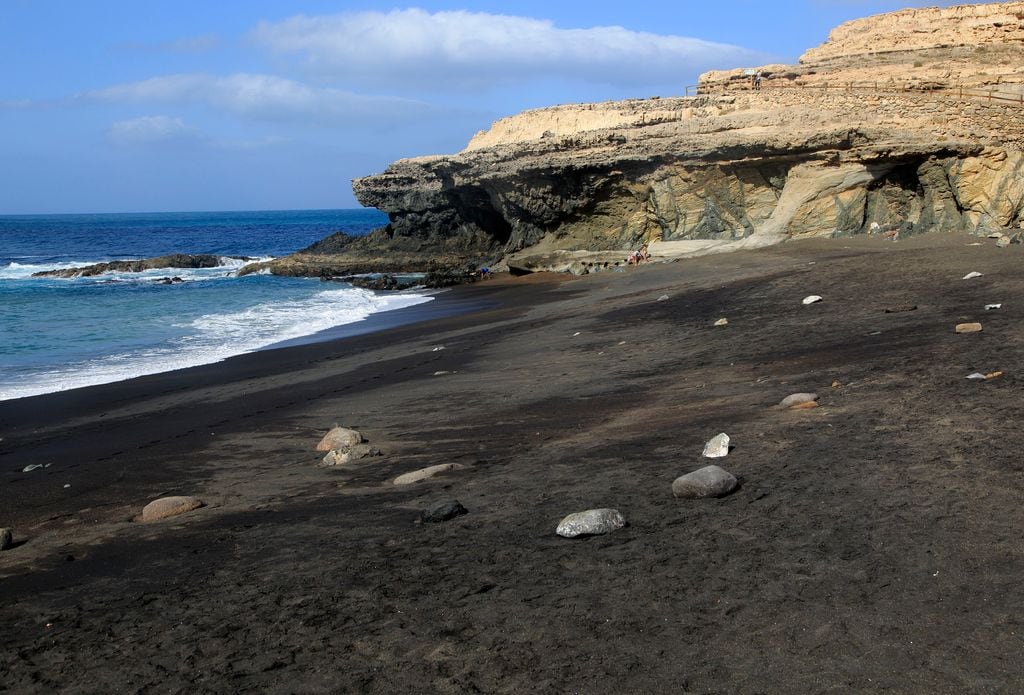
(592, 522)
(424, 473)
(968, 328)
(812, 299)
(442, 511)
(6, 538)
(976, 376)
(336, 457)
(722, 322)
(971, 275)
(1003, 242)
(990, 307)
(710, 481)
(717, 446)
(663, 298)
(339, 438)
(169, 506)
(900, 308)
(797, 399)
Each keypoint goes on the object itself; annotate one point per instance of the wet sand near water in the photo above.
(873, 544)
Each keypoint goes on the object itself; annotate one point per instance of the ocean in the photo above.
(58, 334)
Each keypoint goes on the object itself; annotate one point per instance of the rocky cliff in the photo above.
(910, 121)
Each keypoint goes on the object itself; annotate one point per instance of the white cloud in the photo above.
(468, 49)
(263, 97)
(151, 130)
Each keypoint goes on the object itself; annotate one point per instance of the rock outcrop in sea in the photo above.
(906, 122)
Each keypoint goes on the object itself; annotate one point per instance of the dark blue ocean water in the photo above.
(57, 334)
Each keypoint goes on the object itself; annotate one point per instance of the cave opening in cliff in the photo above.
(475, 206)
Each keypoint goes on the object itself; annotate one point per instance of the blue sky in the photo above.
(129, 105)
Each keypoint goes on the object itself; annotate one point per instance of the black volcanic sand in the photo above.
(875, 542)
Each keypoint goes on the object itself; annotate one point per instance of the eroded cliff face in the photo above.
(894, 124)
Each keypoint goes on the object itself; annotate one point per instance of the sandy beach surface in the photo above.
(874, 543)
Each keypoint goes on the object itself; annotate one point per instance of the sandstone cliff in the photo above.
(909, 121)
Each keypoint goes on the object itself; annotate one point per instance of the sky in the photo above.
(192, 105)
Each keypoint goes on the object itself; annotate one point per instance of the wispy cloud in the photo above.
(462, 49)
(264, 97)
(149, 130)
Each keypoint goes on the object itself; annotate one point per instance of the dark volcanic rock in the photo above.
(175, 260)
(443, 511)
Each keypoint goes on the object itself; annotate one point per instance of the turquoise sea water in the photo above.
(57, 334)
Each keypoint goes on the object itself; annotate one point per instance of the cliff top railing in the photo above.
(959, 92)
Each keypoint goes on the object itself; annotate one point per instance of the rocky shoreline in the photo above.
(908, 122)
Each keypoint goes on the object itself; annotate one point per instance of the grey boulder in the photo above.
(710, 481)
(592, 522)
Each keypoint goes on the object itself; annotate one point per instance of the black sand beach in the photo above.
(874, 543)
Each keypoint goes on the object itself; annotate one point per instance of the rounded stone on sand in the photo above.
(593, 522)
(721, 322)
(710, 481)
(6, 538)
(796, 399)
(424, 473)
(811, 299)
(968, 328)
(339, 438)
(717, 446)
(170, 506)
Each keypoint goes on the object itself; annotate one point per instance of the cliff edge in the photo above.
(905, 122)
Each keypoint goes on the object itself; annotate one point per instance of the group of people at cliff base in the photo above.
(639, 256)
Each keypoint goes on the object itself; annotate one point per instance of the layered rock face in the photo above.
(910, 121)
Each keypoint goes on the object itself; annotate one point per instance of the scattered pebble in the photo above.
(722, 322)
(438, 348)
(976, 243)
(798, 399)
(968, 328)
(339, 438)
(976, 376)
(67, 485)
(812, 299)
(31, 467)
(1003, 242)
(424, 473)
(717, 446)
(837, 384)
(441, 373)
(169, 506)
(990, 307)
(971, 275)
(710, 481)
(442, 511)
(663, 298)
(993, 375)
(6, 538)
(592, 522)
(576, 334)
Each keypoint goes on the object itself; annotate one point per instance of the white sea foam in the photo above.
(215, 337)
(228, 267)
(20, 271)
